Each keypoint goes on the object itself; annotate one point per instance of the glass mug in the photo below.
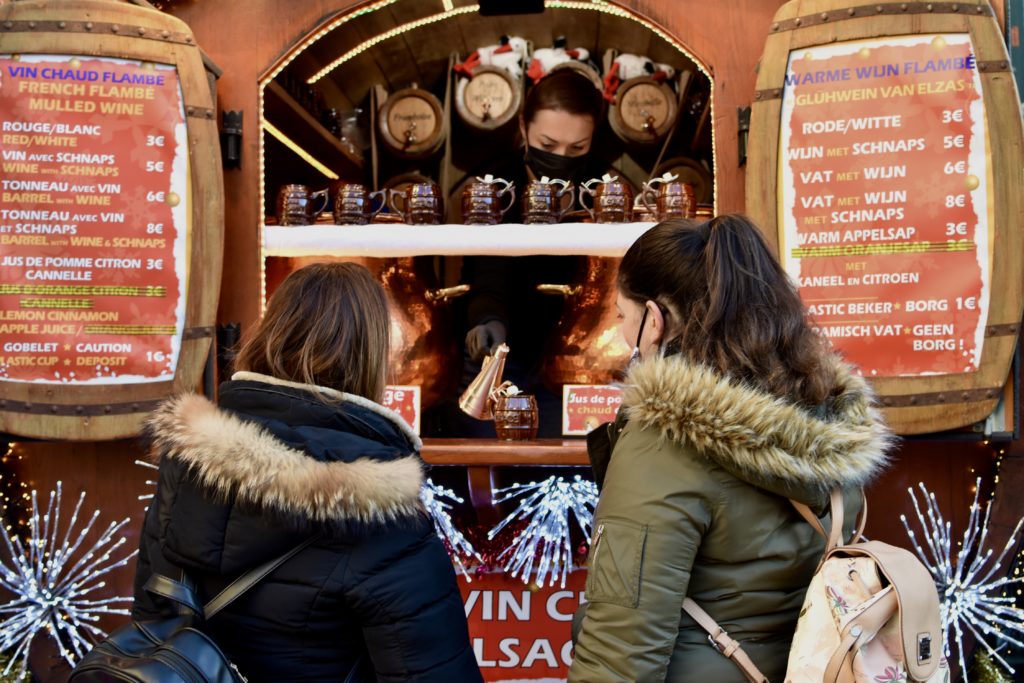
(542, 201)
(295, 205)
(612, 198)
(420, 203)
(353, 205)
(666, 198)
(515, 417)
(481, 200)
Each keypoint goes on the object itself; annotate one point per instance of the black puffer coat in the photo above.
(243, 483)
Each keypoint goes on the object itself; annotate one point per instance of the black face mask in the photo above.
(545, 163)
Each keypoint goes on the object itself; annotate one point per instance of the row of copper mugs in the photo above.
(486, 200)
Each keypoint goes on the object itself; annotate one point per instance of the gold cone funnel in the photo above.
(478, 399)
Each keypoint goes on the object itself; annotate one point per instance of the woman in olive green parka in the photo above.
(734, 405)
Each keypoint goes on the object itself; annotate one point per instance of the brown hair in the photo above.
(564, 90)
(327, 324)
(737, 310)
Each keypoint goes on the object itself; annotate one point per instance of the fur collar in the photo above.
(758, 436)
(242, 460)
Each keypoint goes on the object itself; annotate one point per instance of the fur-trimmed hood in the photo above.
(756, 436)
(293, 455)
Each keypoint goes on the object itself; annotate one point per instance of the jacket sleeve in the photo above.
(401, 586)
(654, 509)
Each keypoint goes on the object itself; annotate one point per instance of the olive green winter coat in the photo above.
(694, 504)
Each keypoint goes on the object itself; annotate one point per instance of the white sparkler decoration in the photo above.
(436, 500)
(969, 597)
(149, 482)
(51, 576)
(547, 505)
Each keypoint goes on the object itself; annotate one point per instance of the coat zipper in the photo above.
(597, 546)
(179, 664)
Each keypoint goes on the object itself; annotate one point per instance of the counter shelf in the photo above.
(507, 239)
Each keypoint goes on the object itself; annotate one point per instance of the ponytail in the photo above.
(737, 310)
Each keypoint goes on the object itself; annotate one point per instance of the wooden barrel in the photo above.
(691, 172)
(939, 355)
(130, 250)
(489, 99)
(644, 111)
(411, 123)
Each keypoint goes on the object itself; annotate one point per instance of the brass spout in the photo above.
(479, 398)
(562, 290)
(446, 293)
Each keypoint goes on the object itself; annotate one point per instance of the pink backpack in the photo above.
(871, 615)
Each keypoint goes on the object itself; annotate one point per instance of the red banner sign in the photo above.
(884, 206)
(404, 400)
(93, 220)
(521, 633)
(585, 406)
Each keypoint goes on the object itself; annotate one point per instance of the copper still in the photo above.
(423, 348)
(586, 346)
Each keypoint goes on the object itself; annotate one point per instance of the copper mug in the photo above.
(353, 205)
(295, 205)
(421, 203)
(542, 200)
(666, 198)
(613, 199)
(481, 200)
(516, 417)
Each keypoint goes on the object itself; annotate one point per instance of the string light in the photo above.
(297, 148)
(969, 596)
(547, 534)
(51, 575)
(438, 501)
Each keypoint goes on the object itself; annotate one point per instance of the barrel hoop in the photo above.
(881, 9)
(940, 398)
(769, 94)
(199, 112)
(994, 66)
(1009, 329)
(80, 409)
(197, 332)
(97, 28)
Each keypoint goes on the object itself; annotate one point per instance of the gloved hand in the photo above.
(484, 337)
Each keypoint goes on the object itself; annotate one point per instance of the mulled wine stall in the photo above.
(879, 148)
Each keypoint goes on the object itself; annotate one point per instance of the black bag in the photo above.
(172, 650)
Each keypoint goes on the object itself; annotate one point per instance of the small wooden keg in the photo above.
(489, 99)
(411, 123)
(644, 111)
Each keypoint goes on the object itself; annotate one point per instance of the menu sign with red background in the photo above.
(585, 406)
(520, 632)
(93, 220)
(885, 200)
(404, 400)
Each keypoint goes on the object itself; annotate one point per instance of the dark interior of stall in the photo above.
(331, 102)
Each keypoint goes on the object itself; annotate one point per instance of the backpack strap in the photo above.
(251, 578)
(859, 630)
(721, 641)
(835, 535)
(183, 594)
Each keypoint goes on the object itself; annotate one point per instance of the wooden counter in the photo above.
(490, 452)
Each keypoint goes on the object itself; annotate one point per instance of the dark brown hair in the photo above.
(564, 90)
(327, 324)
(734, 309)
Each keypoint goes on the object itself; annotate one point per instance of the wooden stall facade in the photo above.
(250, 40)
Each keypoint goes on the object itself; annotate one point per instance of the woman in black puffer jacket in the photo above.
(297, 447)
